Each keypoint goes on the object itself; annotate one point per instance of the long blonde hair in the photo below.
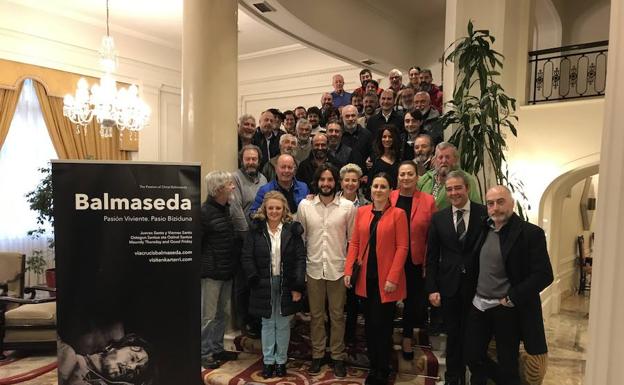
(260, 214)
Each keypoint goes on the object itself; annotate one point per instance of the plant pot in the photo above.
(50, 277)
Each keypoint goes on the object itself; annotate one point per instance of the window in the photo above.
(27, 148)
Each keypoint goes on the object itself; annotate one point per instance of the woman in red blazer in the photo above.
(379, 241)
(418, 208)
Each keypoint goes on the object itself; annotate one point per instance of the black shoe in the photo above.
(280, 370)
(252, 332)
(315, 368)
(209, 363)
(268, 370)
(371, 378)
(225, 356)
(339, 369)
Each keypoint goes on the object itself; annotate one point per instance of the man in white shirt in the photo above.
(327, 221)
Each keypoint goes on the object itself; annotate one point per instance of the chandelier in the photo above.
(109, 106)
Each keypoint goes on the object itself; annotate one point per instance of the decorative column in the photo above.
(606, 313)
(209, 84)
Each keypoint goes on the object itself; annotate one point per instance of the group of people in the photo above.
(367, 237)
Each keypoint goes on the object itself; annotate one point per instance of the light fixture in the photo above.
(111, 107)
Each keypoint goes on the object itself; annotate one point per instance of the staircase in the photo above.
(427, 367)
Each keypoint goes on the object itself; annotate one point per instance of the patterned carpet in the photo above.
(32, 370)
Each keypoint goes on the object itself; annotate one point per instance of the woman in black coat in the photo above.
(274, 259)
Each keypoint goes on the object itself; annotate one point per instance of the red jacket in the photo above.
(391, 250)
(437, 99)
(423, 206)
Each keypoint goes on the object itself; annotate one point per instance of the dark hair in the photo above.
(416, 114)
(334, 121)
(248, 147)
(288, 112)
(414, 68)
(428, 137)
(365, 71)
(321, 169)
(314, 110)
(409, 162)
(375, 82)
(384, 175)
(332, 111)
(147, 374)
(396, 145)
(356, 94)
(276, 113)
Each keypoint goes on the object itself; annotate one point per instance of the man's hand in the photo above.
(389, 287)
(434, 299)
(347, 281)
(296, 296)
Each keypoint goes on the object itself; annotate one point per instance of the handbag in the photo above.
(357, 264)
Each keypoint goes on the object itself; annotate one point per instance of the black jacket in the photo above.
(528, 268)
(451, 264)
(220, 243)
(256, 262)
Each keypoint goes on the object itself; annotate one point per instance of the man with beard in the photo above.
(386, 114)
(354, 135)
(370, 103)
(314, 117)
(431, 117)
(284, 182)
(358, 101)
(318, 156)
(288, 145)
(340, 97)
(432, 182)
(327, 221)
(405, 101)
(423, 153)
(513, 268)
(365, 76)
(341, 153)
(246, 130)
(304, 145)
(412, 120)
(126, 361)
(300, 113)
(434, 91)
(327, 105)
(265, 137)
(247, 181)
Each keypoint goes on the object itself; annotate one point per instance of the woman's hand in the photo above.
(389, 287)
(347, 281)
(296, 296)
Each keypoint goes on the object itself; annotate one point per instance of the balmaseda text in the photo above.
(83, 202)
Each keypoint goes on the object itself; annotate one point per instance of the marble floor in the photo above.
(566, 333)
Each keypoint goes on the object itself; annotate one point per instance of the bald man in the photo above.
(513, 267)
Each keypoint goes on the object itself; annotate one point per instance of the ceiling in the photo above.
(335, 28)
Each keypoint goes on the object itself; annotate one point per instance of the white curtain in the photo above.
(27, 148)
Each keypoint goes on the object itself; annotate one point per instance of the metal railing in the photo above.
(569, 72)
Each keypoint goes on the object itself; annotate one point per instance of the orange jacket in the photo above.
(392, 241)
(423, 207)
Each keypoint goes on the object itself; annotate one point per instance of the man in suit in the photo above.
(451, 266)
(514, 268)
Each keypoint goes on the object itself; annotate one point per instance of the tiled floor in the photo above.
(566, 333)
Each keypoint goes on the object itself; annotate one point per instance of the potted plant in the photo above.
(480, 111)
(40, 201)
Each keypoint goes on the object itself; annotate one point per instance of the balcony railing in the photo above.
(569, 72)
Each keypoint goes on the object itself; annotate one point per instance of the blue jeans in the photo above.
(275, 330)
(215, 297)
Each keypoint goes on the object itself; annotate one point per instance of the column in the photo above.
(209, 84)
(606, 312)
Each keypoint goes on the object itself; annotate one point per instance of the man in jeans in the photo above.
(327, 221)
(220, 247)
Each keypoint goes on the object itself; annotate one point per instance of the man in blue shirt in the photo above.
(340, 97)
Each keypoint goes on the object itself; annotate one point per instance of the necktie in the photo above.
(461, 225)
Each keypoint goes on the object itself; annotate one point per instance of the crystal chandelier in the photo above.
(111, 107)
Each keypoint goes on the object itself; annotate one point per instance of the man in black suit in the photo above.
(514, 268)
(451, 267)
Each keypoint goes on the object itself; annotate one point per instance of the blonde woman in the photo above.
(274, 260)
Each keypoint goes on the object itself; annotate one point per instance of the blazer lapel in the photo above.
(513, 231)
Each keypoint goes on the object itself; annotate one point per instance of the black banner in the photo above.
(127, 239)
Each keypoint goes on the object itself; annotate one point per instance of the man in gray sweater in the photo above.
(247, 181)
